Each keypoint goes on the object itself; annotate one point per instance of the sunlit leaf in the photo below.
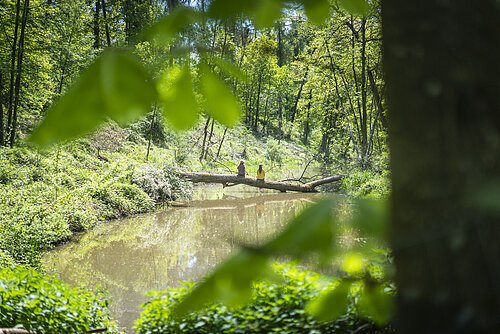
(175, 90)
(229, 68)
(311, 231)
(114, 86)
(359, 7)
(353, 263)
(230, 283)
(167, 28)
(266, 13)
(331, 305)
(377, 304)
(220, 102)
(317, 10)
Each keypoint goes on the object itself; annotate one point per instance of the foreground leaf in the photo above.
(231, 282)
(220, 102)
(166, 30)
(176, 94)
(358, 7)
(376, 304)
(331, 305)
(115, 86)
(312, 231)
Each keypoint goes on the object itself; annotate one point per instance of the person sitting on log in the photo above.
(241, 169)
(261, 174)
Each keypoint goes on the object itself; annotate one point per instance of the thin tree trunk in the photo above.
(256, 121)
(364, 116)
(153, 119)
(13, 56)
(378, 99)
(221, 142)
(297, 98)
(106, 23)
(205, 130)
(209, 141)
(20, 55)
(97, 31)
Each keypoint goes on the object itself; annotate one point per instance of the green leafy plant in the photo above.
(35, 302)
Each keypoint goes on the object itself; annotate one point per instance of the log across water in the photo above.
(230, 179)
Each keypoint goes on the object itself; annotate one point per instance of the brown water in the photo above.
(129, 257)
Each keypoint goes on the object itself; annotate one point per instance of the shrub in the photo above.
(161, 184)
(44, 304)
(273, 308)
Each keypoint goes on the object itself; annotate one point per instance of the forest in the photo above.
(112, 111)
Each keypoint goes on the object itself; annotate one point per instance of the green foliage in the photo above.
(48, 196)
(179, 102)
(114, 86)
(273, 307)
(35, 302)
(365, 183)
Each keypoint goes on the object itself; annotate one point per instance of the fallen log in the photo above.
(231, 179)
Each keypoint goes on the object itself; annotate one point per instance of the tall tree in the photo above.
(441, 63)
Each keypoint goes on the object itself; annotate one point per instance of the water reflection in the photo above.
(132, 256)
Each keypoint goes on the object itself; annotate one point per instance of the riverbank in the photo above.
(48, 196)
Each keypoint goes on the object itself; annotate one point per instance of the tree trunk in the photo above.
(205, 133)
(226, 179)
(13, 56)
(106, 23)
(221, 142)
(364, 115)
(97, 31)
(441, 64)
(20, 55)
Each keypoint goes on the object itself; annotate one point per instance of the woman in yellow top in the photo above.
(261, 174)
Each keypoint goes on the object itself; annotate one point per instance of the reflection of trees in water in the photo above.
(161, 250)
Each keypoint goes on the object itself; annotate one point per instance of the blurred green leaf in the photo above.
(331, 305)
(175, 91)
(229, 8)
(358, 7)
(371, 218)
(485, 197)
(229, 68)
(230, 283)
(266, 12)
(114, 86)
(376, 304)
(353, 263)
(317, 10)
(220, 102)
(311, 231)
(165, 30)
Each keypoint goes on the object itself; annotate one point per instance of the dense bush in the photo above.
(44, 304)
(47, 196)
(273, 308)
(366, 184)
(161, 184)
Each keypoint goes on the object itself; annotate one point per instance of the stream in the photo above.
(128, 257)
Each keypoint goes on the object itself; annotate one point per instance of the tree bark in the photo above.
(13, 57)
(97, 31)
(106, 23)
(20, 55)
(226, 179)
(441, 64)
